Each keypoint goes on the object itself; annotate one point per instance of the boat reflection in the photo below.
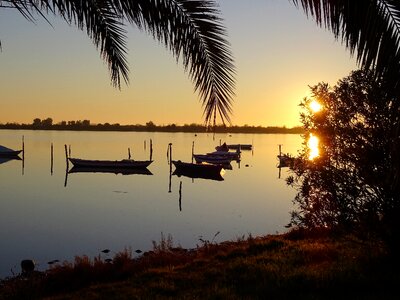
(194, 174)
(7, 159)
(123, 171)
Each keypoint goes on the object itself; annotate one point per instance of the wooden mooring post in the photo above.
(51, 158)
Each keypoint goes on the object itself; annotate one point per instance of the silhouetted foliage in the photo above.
(353, 183)
(191, 30)
(370, 29)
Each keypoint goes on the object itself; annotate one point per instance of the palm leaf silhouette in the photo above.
(369, 28)
(191, 29)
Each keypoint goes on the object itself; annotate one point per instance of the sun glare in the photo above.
(315, 106)
(312, 144)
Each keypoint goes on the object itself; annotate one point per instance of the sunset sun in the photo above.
(315, 106)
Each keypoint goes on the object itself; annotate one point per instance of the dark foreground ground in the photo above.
(296, 265)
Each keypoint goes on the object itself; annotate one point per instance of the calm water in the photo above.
(46, 215)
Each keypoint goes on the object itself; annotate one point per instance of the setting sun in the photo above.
(315, 106)
(312, 144)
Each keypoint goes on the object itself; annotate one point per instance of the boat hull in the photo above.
(212, 159)
(205, 171)
(235, 147)
(120, 164)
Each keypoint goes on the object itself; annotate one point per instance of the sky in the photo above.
(55, 70)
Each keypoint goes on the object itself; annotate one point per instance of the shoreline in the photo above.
(142, 128)
(303, 264)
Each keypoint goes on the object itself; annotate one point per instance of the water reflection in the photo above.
(105, 170)
(122, 171)
(98, 211)
(4, 160)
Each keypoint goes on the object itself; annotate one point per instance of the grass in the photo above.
(296, 265)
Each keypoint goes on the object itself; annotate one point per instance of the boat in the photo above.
(212, 159)
(285, 160)
(112, 170)
(194, 170)
(232, 155)
(7, 152)
(121, 164)
(6, 159)
(227, 147)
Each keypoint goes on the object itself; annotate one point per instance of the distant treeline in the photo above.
(85, 125)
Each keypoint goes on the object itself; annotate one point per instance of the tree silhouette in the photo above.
(351, 184)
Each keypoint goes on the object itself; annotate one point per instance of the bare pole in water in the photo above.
(23, 154)
(169, 157)
(180, 196)
(192, 150)
(52, 158)
(151, 149)
(129, 153)
(66, 156)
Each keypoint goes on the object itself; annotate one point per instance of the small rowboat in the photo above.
(205, 171)
(119, 164)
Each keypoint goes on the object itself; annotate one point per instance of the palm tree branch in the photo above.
(370, 30)
(192, 30)
(101, 21)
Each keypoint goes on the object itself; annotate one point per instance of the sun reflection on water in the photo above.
(312, 144)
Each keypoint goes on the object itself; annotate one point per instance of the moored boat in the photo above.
(212, 159)
(227, 147)
(232, 155)
(285, 160)
(194, 170)
(122, 164)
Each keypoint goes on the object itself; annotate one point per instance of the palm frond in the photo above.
(105, 27)
(370, 29)
(192, 30)
(100, 20)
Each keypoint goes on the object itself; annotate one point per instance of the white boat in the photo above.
(120, 164)
(7, 152)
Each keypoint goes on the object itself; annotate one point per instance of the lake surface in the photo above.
(47, 214)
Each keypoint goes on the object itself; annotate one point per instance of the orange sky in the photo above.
(56, 71)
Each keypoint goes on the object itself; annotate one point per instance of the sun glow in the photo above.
(312, 144)
(315, 106)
